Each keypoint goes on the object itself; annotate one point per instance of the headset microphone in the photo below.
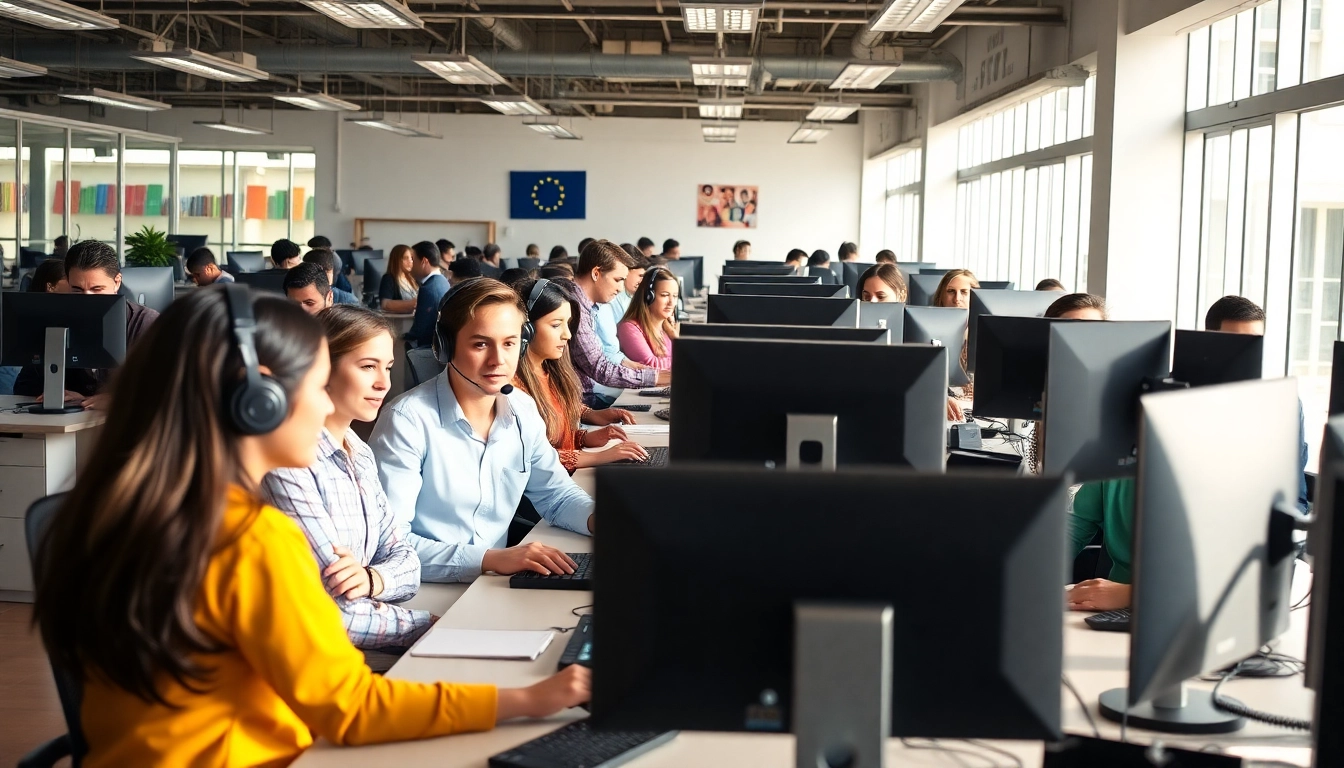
(504, 390)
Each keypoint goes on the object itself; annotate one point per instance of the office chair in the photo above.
(25, 282)
(421, 366)
(524, 520)
(70, 744)
(1092, 562)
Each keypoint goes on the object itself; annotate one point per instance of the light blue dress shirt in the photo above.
(459, 493)
(605, 319)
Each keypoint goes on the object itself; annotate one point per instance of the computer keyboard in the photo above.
(665, 414)
(1110, 621)
(635, 407)
(579, 649)
(657, 458)
(581, 578)
(664, 392)
(579, 746)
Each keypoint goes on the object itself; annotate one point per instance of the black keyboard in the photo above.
(635, 408)
(665, 414)
(578, 746)
(579, 649)
(581, 578)
(1110, 621)
(657, 458)
(664, 392)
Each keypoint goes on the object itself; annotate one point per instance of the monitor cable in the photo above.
(937, 746)
(1082, 705)
(1236, 708)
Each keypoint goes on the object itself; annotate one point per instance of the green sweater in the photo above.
(1107, 506)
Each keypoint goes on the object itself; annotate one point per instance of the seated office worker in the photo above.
(398, 290)
(186, 607)
(432, 286)
(204, 269)
(307, 286)
(954, 290)
(91, 268)
(285, 254)
(457, 453)
(49, 277)
(607, 316)
(882, 283)
(341, 282)
(822, 260)
(328, 261)
(366, 563)
(885, 257)
(741, 250)
(650, 326)
(797, 259)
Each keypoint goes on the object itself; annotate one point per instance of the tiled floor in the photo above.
(30, 712)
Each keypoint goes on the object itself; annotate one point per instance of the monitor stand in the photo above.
(53, 380)
(1179, 710)
(813, 431)
(841, 684)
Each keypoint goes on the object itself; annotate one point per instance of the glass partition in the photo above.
(303, 203)
(205, 196)
(93, 185)
(43, 179)
(148, 170)
(9, 235)
(264, 180)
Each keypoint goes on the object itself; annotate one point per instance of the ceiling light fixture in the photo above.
(719, 131)
(12, 68)
(551, 127)
(231, 67)
(232, 127)
(320, 102)
(831, 111)
(514, 105)
(720, 17)
(864, 75)
(913, 15)
(114, 99)
(459, 68)
(809, 133)
(729, 73)
(392, 126)
(367, 14)
(730, 109)
(54, 14)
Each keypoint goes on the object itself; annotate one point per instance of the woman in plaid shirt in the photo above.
(368, 565)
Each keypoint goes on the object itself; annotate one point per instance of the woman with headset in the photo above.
(545, 373)
(649, 326)
(184, 607)
(457, 453)
(367, 564)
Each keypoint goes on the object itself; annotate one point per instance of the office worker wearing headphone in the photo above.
(649, 326)
(456, 453)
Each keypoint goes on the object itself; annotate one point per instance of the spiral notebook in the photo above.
(446, 643)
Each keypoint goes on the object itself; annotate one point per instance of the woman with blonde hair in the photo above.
(398, 291)
(954, 290)
(649, 326)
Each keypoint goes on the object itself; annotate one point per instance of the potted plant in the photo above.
(149, 248)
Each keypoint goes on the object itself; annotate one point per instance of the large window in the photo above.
(904, 190)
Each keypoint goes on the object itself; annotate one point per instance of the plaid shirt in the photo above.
(593, 366)
(339, 500)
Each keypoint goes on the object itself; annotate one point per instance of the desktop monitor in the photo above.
(826, 274)
(59, 331)
(883, 314)
(1004, 302)
(699, 262)
(1095, 373)
(373, 279)
(756, 268)
(921, 289)
(912, 267)
(776, 279)
(347, 257)
(1213, 560)
(245, 261)
(932, 270)
(1014, 353)
(890, 411)
(787, 289)
(782, 310)
(997, 285)
(269, 281)
(1201, 358)
(725, 645)
(941, 327)
(29, 258)
(787, 332)
(189, 243)
(684, 271)
(1325, 626)
(1337, 380)
(529, 263)
(150, 286)
(853, 271)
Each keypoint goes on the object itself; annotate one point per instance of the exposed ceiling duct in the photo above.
(509, 33)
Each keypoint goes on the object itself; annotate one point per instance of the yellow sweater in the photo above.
(289, 672)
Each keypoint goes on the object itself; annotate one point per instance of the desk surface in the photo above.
(32, 423)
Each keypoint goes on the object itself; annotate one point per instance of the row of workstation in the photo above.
(840, 279)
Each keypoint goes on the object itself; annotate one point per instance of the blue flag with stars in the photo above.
(548, 194)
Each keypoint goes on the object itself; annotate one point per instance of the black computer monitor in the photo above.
(150, 286)
(529, 263)
(782, 310)
(883, 314)
(29, 258)
(179, 268)
(1094, 376)
(373, 279)
(94, 337)
(826, 274)
(684, 271)
(1201, 358)
(853, 270)
(1014, 353)
(987, 301)
(788, 332)
(245, 261)
(776, 279)
(943, 327)
(1337, 380)
(756, 268)
(699, 262)
(891, 410)
(189, 243)
(724, 646)
(1325, 545)
(268, 281)
(997, 285)
(347, 257)
(787, 289)
(921, 288)
(1213, 558)
(932, 270)
(912, 267)
(371, 254)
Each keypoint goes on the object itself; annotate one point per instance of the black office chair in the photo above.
(25, 282)
(1092, 562)
(827, 276)
(421, 366)
(525, 518)
(70, 744)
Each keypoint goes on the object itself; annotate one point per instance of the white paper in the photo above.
(646, 429)
(448, 643)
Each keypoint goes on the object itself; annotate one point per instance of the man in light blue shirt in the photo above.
(605, 319)
(457, 453)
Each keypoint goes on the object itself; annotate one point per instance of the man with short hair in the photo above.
(60, 246)
(285, 254)
(307, 286)
(464, 269)
(797, 259)
(328, 260)
(645, 246)
(848, 252)
(203, 268)
(491, 263)
(886, 257)
(91, 267)
(447, 251)
(433, 285)
(606, 317)
(318, 241)
(671, 249)
(742, 250)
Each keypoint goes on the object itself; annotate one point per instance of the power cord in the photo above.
(936, 746)
(1083, 706)
(572, 612)
(1236, 708)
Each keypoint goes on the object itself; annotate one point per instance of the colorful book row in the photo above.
(7, 197)
(148, 200)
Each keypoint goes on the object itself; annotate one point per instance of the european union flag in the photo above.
(548, 194)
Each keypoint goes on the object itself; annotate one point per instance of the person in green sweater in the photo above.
(1106, 506)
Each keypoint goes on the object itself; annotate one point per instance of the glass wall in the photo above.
(246, 200)
(93, 185)
(904, 189)
(147, 198)
(9, 219)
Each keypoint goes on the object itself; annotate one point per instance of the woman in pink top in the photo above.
(648, 328)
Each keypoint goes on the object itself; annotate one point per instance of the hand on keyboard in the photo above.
(568, 688)
(527, 557)
(596, 438)
(1098, 595)
(625, 451)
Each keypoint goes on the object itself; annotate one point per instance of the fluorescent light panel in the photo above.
(459, 69)
(320, 102)
(514, 105)
(12, 68)
(54, 14)
(719, 130)
(204, 65)
(392, 126)
(721, 139)
(914, 15)
(550, 126)
(232, 127)
(720, 17)
(368, 14)
(114, 99)
(729, 73)
(809, 133)
(730, 109)
(832, 111)
(863, 76)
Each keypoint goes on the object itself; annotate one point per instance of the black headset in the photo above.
(257, 404)
(443, 347)
(529, 330)
(651, 278)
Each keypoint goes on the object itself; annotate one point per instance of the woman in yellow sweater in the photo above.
(190, 612)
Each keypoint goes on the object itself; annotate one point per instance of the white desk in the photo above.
(38, 457)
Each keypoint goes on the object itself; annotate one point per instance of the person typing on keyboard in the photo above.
(1108, 507)
(457, 453)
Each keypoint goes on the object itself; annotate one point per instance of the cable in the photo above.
(1083, 706)
(575, 611)
(935, 746)
(1265, 663)
(990, 747)
(1236, 708)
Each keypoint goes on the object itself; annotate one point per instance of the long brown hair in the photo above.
(560, 373)
(952, 274)
(888, 273)
(120, 568)
(405, 281)
(640, 311)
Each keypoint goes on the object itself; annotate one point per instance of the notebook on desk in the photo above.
(445, 643)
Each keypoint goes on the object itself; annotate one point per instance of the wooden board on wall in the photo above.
(383, 234)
